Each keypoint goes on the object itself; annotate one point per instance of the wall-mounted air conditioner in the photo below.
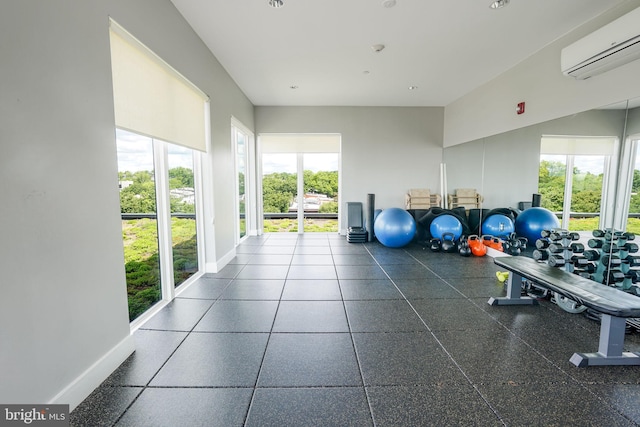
(611, 46)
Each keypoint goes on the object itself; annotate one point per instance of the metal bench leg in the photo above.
(514, 293)
(610, 348)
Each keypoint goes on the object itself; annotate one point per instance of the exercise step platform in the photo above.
(356, 235)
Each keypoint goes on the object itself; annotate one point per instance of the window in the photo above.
(242, 145)
(300, 182)
(161, 131)
(574, 172)
(158, 201)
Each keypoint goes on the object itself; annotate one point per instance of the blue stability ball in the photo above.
(394, 227)
(498, 225)
(445, 224)
(532, 221)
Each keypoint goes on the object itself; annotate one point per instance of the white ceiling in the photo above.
(446, 48)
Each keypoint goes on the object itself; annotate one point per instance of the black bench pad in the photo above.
(601, 298)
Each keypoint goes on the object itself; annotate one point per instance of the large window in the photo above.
(162, 128)
(630, 186)
(300, 182)
(242, 144)
(158, 205)
(574, 172)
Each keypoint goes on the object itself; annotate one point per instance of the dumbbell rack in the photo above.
(617, 265)
(558, 247)
(608, 260)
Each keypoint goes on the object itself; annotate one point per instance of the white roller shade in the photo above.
(579, 145)
(152, 98)
(300, 143)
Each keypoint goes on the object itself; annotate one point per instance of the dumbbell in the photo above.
(540, 255)
(629, 247)
(582, 262)
(617, 276)
(589, 269)
(595, 243)
(555, 248)
(631, 260)
(559, 235)
(611, 260)
(610, 248)
(591, 255)
(618, 235)
(577, 248)
(542, 243)
(557, 261)
(613, 235)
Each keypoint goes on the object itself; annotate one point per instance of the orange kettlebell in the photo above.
(477, 247)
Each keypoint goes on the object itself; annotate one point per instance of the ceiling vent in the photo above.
(611, 46)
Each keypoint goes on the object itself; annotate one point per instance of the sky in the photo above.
(135, 153)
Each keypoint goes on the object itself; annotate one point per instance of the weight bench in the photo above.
(614, 305)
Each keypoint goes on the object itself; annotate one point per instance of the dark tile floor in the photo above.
(313, 331)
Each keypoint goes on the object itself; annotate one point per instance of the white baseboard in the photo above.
(214, 267)
(90, 379)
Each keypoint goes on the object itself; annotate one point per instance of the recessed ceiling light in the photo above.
(378, 47)
(499, 4)
(388, 3)
(276, 3)
(413, 87)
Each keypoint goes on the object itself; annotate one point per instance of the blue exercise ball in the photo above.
(375, 214)
(498, 225)
(445, 224)
(531, 222)
(394, 227)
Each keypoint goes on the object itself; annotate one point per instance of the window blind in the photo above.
(300, 143)
(578, 145)
(151, 97)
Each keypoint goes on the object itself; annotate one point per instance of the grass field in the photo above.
(582, 224)
(142, 264)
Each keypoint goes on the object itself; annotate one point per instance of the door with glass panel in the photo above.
(301, 170)
(139, 221)
(242, 145)
(280, 192)
(158, 208)
(320, 183)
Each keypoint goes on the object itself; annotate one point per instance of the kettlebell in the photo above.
(513, 241)
(496, 244)
(463, 247)
(477, 246)
(448, 243)
(434, 245)
(523, 243)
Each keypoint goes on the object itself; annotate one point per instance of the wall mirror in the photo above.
(585, 167)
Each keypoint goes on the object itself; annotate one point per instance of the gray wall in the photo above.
(490, 109)
(385, 150)
(63, 309)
